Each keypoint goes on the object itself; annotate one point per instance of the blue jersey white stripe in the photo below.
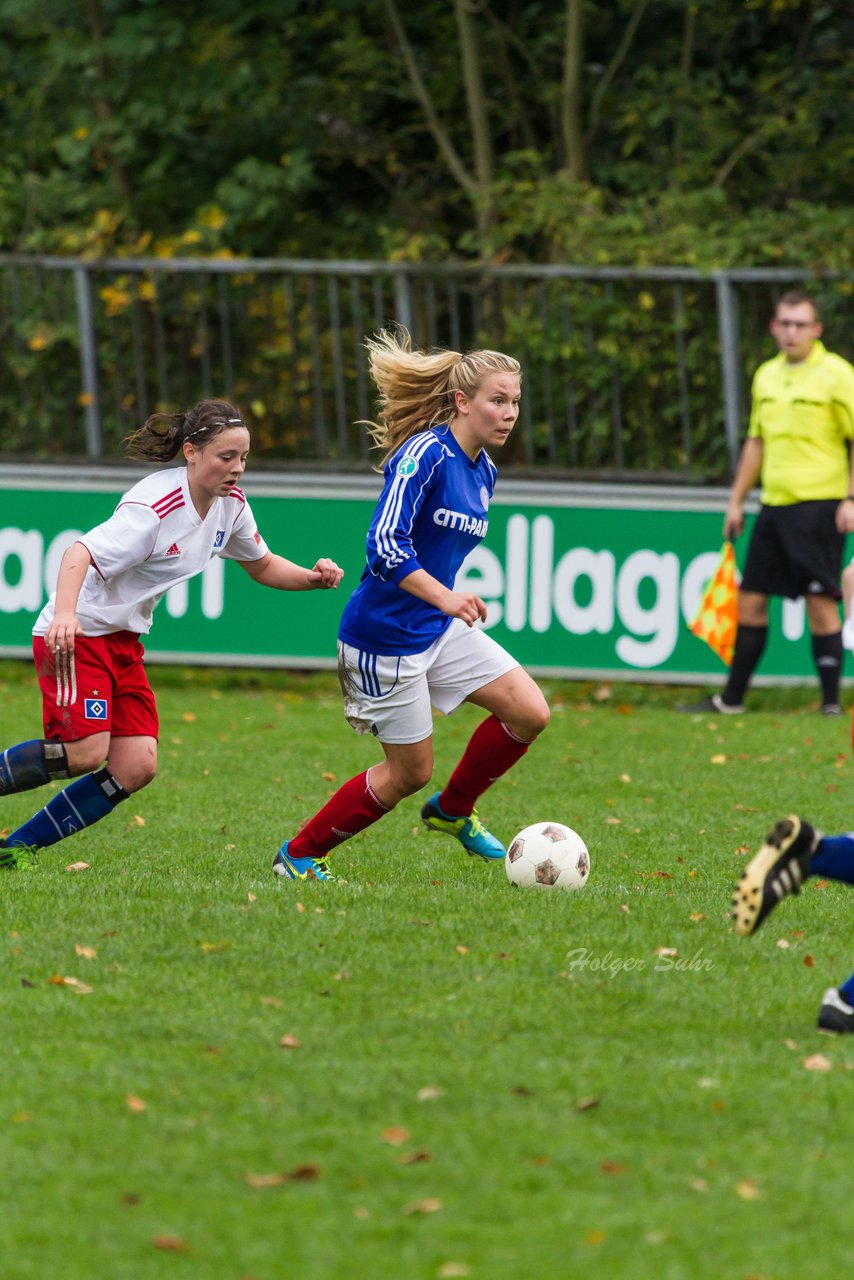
(433, 510)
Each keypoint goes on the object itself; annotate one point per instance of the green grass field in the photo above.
(474, 1080)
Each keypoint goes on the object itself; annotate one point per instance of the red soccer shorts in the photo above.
(104, 689)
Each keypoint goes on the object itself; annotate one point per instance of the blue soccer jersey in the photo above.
(431, 513)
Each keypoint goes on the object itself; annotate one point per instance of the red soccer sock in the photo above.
(353, 807)
(492, 750)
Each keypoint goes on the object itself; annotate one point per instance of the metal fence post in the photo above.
(403, 301)
(88, 363)
(730, 371)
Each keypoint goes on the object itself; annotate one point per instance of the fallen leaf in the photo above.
(461, 950)
(138, 820)
(699, 1184)
(587, 1104)
(820, 884)
(329, 777)
(251, 897)
(809, 962)
(624, 907)
(613, 1167)
(300, 908)
(748, 1189)
(75, 984)
(135, 1104)
(697, 916)
(395, 1135)
(450, 1270)
(77, 866)
(718, 759)
(419, 1156)
(272, 1000)
(431, 1205)
(594, 1237)
(290, 1042)
(210, 948)
(613, 822)
(304, 1173)
(817, 1062)
(171, 1244)
(261, 1180)
(189, 717)
(624, 777)
(666, 951)
(790, 1044)
(87, 953)
(603, 693)
(429, 1093)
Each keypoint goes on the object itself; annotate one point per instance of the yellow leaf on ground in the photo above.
(395, 1135)
(135, 1104)
(87, 953)
(290, 1042)
(171, 1244)
(429, 1093)
(77, 866)
(431, 1205)
(262, 1180)
(748, 1189)
(817, 1062)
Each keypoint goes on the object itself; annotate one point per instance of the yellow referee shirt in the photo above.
(804, 415)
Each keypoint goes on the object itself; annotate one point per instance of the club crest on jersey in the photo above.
(220, 534)
(407, 466)
(95, 708)
(484, 497)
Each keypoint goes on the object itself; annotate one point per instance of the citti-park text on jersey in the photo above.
(460, 520)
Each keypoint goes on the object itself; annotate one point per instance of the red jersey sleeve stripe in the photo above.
(237, 493)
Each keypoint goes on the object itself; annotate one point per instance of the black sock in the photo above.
(749, 647)
(827, 655)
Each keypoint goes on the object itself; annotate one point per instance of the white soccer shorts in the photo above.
(391, 695)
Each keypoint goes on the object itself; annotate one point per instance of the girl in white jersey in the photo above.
(100, 717)
(408, 639)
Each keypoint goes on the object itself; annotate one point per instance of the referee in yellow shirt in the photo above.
(801, 425)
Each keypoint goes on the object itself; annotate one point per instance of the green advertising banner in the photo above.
(580, 581)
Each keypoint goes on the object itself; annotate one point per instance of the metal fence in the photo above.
(627, 373)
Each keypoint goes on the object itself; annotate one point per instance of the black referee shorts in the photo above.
(795, 550)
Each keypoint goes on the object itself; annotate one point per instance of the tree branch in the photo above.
(575, 161)
(422, 94)
(613, 67)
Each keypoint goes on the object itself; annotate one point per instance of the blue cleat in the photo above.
(470, 831)
(294, 868)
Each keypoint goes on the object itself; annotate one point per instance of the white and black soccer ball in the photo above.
(548, 855)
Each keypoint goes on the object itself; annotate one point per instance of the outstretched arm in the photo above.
(283, 575)
(64, 627)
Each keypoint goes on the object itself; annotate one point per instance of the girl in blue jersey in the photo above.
(408, 640)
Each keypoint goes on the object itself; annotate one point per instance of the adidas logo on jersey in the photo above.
(174, 550)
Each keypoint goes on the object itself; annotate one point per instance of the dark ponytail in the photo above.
(162, 435)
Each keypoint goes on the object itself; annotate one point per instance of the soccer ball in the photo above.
(548, 855)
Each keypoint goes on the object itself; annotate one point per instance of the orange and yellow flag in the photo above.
(716, 618)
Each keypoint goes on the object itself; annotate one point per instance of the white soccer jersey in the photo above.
(155, 539)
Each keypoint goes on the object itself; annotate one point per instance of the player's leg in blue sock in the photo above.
(82, 803)
(834, 858)
(32, 764)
